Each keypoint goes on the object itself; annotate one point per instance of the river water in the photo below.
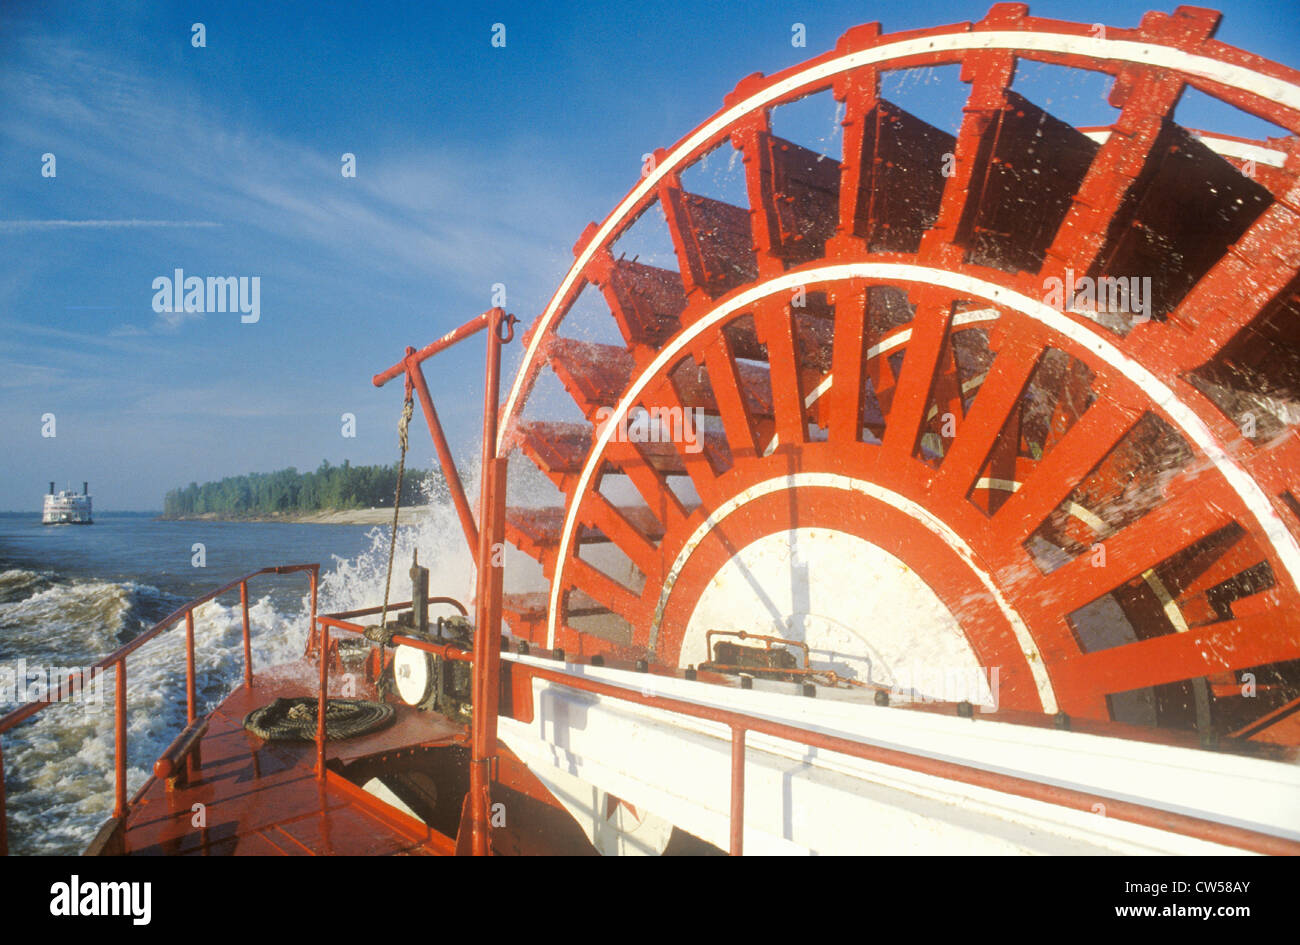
(72, 594)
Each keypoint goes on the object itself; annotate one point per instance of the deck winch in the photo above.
(423, 679)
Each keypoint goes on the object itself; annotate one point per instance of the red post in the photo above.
(737, 790)
(248, 643)
(410, 366)
(119, 747)
(487, 610)
(189, 666)
(313, 576)
(452, 477)
(323, 654)
(4, 817)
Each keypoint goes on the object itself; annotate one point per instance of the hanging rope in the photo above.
(402, 426)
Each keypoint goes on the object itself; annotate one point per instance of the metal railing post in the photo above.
(119, 740)
(248, 642)
(313, 575)
(189, 667)
(323, 654)
(737, 790)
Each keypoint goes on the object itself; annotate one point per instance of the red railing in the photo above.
(117, 661)
(740, 724)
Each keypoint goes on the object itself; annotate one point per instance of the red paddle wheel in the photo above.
(1023, 397)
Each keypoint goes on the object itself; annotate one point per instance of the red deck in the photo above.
(263, 798)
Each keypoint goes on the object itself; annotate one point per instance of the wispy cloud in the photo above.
(19, 375)
(464, 216)
(12, 225)
(157, 175)
(225, 399)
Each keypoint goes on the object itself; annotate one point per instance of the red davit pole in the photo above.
(486, 542)
(410, 366)
(487, 603)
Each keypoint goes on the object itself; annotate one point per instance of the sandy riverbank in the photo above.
(377, 516)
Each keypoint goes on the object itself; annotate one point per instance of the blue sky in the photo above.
(475, 165)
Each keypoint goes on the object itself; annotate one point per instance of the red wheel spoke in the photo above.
(1146, 99)
(698, 464)
(792, 195)
(1147, 542)
(998, 396)
(776, 329)
(652, 485)
(846, 364)
(1102, 426)
(1255, 271)
(1277, 468)
(1191, 582)
(989, 75)
(731, 402)
(604, 589)
(884, 382)
(753, 144)
(915, 380)
(859, 90)
(597, 511)
(1228, 645)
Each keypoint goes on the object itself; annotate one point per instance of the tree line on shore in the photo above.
(329, 488)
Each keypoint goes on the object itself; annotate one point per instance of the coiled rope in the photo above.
(295, 719)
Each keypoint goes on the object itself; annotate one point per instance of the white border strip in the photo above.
(1225, 146)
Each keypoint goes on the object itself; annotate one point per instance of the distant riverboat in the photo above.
(67, 507)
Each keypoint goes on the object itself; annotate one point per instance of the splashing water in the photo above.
(351, 584)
